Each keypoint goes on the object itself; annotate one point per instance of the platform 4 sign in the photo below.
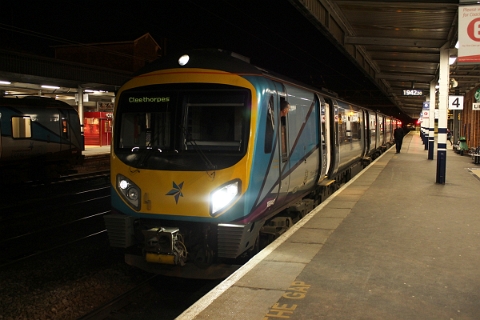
(455, 102)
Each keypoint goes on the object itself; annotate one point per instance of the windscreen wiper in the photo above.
(210, 166)
(148, 151)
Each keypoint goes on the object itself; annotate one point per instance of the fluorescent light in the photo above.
(50, 87)
(5, 82)
(95, 91)
(452, 59)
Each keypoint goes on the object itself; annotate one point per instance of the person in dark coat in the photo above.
(449, 136)
(398, 135)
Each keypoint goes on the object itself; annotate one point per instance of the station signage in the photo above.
(455, 102)
(469, 34)
(412, 92)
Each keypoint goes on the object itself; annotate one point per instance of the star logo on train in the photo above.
(176, 191)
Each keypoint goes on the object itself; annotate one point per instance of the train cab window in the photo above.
(182, 126)
(138, 130)
(21, 127)
(216, 124)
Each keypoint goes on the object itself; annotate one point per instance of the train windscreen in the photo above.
(182, 127)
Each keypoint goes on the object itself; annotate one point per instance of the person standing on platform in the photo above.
(398, 135)
(449, 136)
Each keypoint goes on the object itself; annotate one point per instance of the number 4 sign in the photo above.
(455, 102)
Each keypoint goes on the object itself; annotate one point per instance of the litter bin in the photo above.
(462, 146)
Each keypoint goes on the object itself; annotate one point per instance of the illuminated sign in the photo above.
(148, 99)
(469, 34)
(412, 92)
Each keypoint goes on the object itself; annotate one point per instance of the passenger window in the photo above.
(21, 127)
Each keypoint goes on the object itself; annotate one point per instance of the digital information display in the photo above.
(412, 92)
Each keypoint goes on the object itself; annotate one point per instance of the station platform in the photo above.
(390, 244)
(96, 150)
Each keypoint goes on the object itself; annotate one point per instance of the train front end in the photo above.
(180, 168)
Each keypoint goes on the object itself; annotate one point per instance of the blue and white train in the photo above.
(40, 139)
(204, 170)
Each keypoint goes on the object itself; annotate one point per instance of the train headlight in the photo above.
(129, 191)
(224, 196)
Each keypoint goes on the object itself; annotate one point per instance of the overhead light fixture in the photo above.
(457, 45)
(5, 82)
(50, 87)
(95, 91)
(452, 59)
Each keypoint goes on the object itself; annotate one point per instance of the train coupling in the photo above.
(165, 246)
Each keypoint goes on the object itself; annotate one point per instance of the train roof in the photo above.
(219, 59)
(34, 101)
(204, 59)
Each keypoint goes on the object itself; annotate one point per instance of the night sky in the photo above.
(270, 32)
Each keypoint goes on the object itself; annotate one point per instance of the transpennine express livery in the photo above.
(205, 170)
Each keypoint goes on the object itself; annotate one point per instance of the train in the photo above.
(41, 139)
(205, 170)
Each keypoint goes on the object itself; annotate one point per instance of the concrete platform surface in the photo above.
(390, 244)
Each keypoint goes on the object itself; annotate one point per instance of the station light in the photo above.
(5, 82)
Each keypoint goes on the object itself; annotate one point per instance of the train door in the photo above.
(324, 134)
(365, 133)
(370, 125)
(272, 155)
(64, 130)
(388, 124)
(380, 130)
(284, 152)
(331, 112)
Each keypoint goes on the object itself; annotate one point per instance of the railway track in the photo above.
(65, 269)
(48, 246)
(37, 220)
(157, 297)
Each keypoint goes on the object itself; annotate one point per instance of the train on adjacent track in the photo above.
(40, 139)
(205, 168)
